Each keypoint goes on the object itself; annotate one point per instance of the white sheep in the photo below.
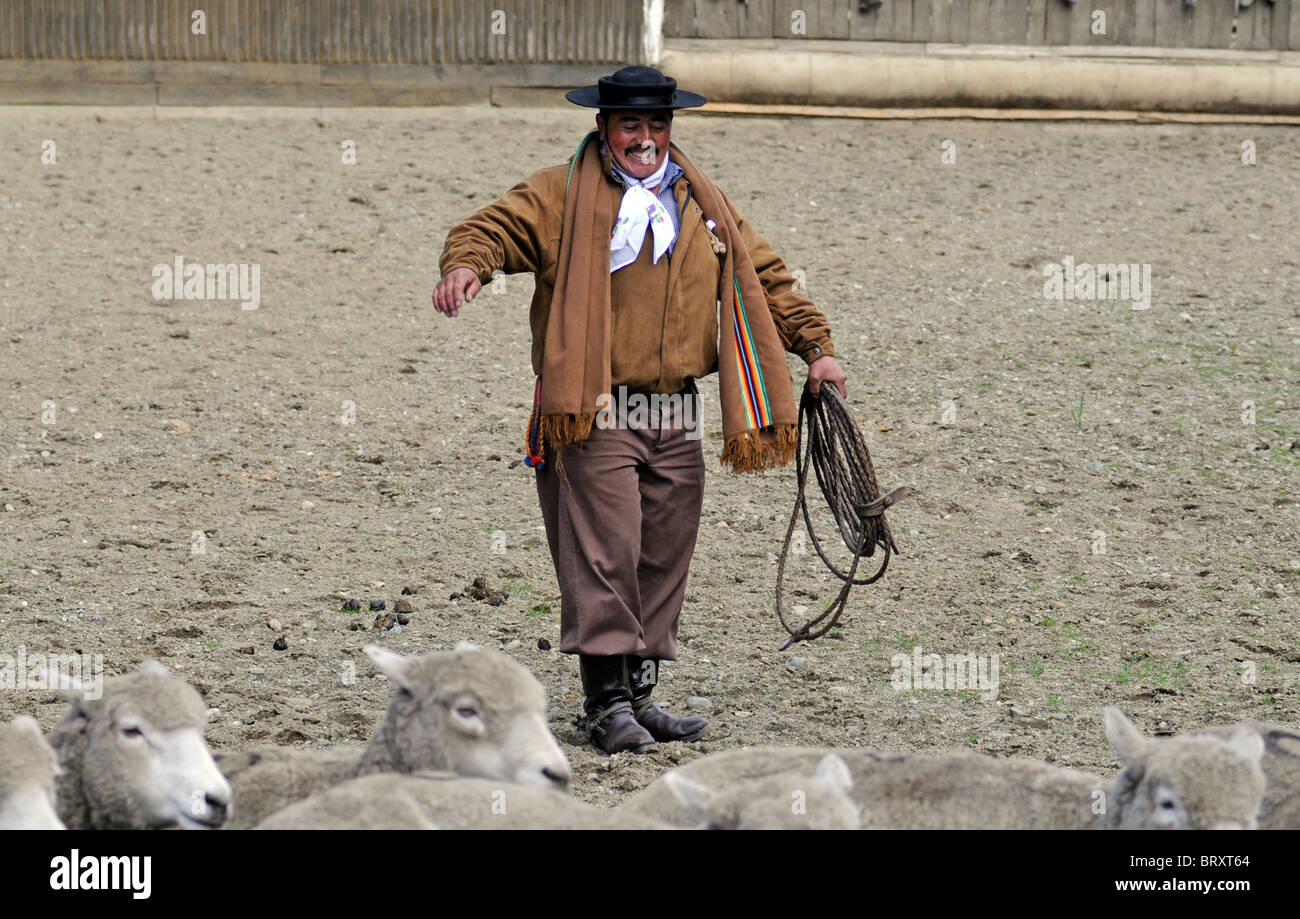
(789, 800)
(1281, 765)
(1168, 782)
(135, 758)
(29, 768)
(426, 800)
(471, 711)
(441, 800)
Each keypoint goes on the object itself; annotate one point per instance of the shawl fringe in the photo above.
(558, 430)
(769, 448)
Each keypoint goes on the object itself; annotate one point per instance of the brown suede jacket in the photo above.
(669, 309)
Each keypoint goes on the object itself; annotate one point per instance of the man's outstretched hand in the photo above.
(826, 370)
(457, 287)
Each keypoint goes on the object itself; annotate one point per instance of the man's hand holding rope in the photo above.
(826, 370)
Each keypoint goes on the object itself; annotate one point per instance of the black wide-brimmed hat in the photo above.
(635, 87)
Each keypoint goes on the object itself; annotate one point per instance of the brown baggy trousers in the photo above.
(622, 528)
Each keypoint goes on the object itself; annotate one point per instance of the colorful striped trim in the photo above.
(753, 391)
(533, 446)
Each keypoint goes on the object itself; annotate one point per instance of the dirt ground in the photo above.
(1030, 426)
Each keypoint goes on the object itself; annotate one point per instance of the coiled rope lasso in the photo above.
(836, 450)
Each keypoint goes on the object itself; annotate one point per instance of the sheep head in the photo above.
(1184, 782)
(471, 711)
(136, 757)
(28, 770)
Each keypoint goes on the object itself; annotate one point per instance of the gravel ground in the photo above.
(1108, 496)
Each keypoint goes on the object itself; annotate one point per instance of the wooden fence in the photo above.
(431, 32)
(1262, 25)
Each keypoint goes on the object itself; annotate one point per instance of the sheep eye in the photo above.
(132, 732)
(466, 712)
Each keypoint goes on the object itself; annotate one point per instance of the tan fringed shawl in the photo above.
(758, 410)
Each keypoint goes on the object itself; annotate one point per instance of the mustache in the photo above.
(646, 152)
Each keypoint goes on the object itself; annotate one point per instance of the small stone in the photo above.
(175, 424)
(275, 625)
(512, 644)
(98, 435)
(408, 591)
(699, 702)
(246, 650)
(255, 669)
(797, 663)
(543, 644)
(280, 644)
(403, 606)
(308, 505)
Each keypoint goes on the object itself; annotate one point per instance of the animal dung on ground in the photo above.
(352, 606)
(280, 644)
(479, 590)
(403, 606)
(376, 605)
(384, 621)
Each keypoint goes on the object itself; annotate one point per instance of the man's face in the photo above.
(638, 140)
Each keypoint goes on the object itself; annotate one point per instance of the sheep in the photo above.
(135, 758)
(470, 711)
(1174, 782)
(790, 800)
(1281, 765)
(443, 800)
(429, 800)
(29, 768)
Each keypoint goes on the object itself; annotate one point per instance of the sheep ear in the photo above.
(696, 798)
(1247, 743)
(152, 667)
(66, 686)
(834, 772)
(392, 665)
(1124, 737)
(467, 645)
(27, 723)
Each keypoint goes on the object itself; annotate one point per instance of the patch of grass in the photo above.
(538, 610)
(1153, 670)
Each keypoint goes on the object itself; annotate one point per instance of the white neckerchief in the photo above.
(641, 210)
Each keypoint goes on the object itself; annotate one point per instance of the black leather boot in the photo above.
(611, 724)
(643, 674)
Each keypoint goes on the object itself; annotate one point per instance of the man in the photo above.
(646, 278)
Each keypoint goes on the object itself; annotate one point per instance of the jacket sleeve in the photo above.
(508, 235)
(804, 330)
